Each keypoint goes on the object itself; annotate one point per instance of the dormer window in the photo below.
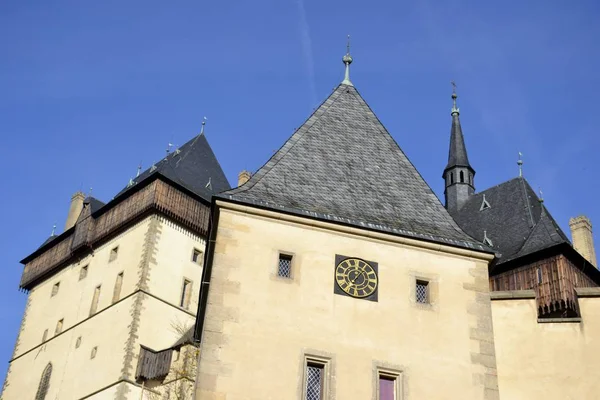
(484, 204)
(487, 240)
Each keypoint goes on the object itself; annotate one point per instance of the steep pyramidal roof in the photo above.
(342, 165)
(516, 221)
(193, 166)
(457, 155)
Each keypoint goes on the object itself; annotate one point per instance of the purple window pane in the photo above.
(386, 389)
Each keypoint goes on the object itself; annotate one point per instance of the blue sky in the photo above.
(88, 90)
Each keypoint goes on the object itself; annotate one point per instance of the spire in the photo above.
(458, 174)
(347, 59)
(457, 156)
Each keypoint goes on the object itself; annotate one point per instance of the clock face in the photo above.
(356, 277)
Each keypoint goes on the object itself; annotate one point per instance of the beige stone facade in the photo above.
(260, 328)
(95, 356)
(547, 359)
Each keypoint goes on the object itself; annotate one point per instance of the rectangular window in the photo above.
(422, 292)
(315, 374)
(83, 272)
(59, 326)
(94, 305)
(389, 385)
(113, 254)
(186, 293)
(45, 336)
(55, 289)
(284, 268)
(117, 290)
(197, 256)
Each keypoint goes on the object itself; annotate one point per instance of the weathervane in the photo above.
(454, 96)
(347, 59)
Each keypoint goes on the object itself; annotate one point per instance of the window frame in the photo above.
(426, 283)
(83, 272)
(55, 289)
(95, 300)
(184, 302)
(199, 256)
(59, 326)
(324, 363)
(114, 254)
(393, 374)
(118, 287)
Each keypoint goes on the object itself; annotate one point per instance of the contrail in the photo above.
(307, 51)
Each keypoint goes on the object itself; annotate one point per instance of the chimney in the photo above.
(583, 241)
(243, 177)
(74, 209)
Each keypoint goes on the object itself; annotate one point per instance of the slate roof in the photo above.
(457, 153)
(192, 166)
(342, 165)
(516, 222)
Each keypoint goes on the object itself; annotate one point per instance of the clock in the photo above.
(356, 277)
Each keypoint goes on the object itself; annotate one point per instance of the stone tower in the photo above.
(458, 174)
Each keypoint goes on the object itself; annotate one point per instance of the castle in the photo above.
(332, 272)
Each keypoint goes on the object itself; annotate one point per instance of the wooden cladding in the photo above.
(153, 365)
(554, 280)
(157, 195)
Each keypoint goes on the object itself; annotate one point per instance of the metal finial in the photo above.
(520, 164)
(91, 190)
(53, 230)
(454, 96)
(203, 123)
(347, 59)
(541, 198)
(139, 169)
(169, 147)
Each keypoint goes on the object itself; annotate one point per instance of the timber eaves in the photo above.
(157, 195)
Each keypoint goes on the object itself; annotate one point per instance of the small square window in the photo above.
(55, 289)
(83, 272)
(113, 254)
(422, 292)
(197, 256)
(284, 268)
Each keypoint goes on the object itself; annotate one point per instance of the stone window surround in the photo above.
(328, 362)
(382, 368)
(294, 275)
(432, 286)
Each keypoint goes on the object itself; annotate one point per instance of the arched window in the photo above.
(44, 383)
(462, 177)
(451, 178)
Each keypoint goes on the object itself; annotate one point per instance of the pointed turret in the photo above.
(458, 174)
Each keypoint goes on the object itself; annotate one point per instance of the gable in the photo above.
(343, 165)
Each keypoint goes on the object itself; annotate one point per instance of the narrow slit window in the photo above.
(83, 272)
(44, 383)
(539, 274)
(55, 288)
(462, 177)
(422, 292)
(117, 289)
(197, 256)
(94, 351)
(78, 342)
(59, 326)
(113, 254)
(315, 376)
(186, 292)
(284, 268)
(451, 177)
(45, 336)
(94, 306)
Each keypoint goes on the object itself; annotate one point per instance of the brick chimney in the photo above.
(583, 241)
(74, 209)
(243, 177)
